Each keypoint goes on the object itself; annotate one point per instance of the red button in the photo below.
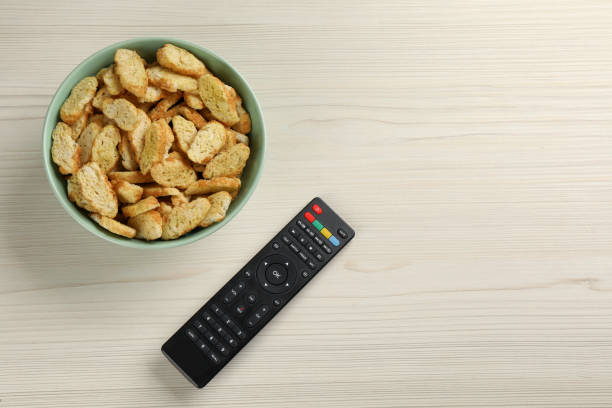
(317, 209)
(309, 217)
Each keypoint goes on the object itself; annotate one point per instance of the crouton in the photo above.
(80, 96)
(87, 138)
(179, 199)
(135, 177)
(192, 115)
(173, 171)
(218, 99)
(98, 119)
(193, 100)
(102, 95)
(79, 126)
(124, 113)
(180, 60)
(240, 138)
(111, 80)
(148, 225)
(144, 205)
(65, 152)
(155, 190)
(128, 157)
(104, 148)
(228, 163)
(164, 209)
(219, 203)
(207, 143)
(185, 132)
(158, 140)
(127, 192)
(184, 217)
(160, 110)
(152, 94)
(114, 226)
(95, 192)
(230, 139)
(244, 120)
(171, 81)
(214, 185)
(131, 71)
(137, 135)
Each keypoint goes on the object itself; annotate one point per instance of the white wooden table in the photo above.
(468, 142)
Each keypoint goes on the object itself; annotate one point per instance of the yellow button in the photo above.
(326, 233)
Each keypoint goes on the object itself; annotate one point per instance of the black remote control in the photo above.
(236, 313)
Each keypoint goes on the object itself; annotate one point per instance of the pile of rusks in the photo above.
(137, 136)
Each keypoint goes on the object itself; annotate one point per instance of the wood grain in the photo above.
(469, 144)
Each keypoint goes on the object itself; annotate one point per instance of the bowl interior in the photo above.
(147, 47)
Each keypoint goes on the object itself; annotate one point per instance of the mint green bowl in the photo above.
(146, 47)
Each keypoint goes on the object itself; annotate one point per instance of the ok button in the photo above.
(276, 274)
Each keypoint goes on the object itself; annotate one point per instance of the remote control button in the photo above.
(319, 256)
(317, 209)
(247, 274)
(277, 302)
(286, 239)
(236, 329)
(300, 224)
(273, 283)
(311, 264)
(193, 336)
(303, 256)
(326, 248)
(275, 245)
(334, 240)
(229, 339)
(310, 248)
(216, 310)
(258, 315)
(215, 359)
(294, 248)
(199, 325)
(318, 240)
(202, 346)
(293, 231)
(342, 233)
(325, 232)
(276, 274)
(261, 312)
(230, 296)
(240, 309)
(310, 232)
(210, 337)
(218, 345)
(309, 217)
(251, 298)
(233, 292)
(305, 274)
(303, 241)
(317, 225)
(207, 317)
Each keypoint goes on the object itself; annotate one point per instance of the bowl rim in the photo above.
(50, 122)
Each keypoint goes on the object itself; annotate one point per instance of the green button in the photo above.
(317, 225)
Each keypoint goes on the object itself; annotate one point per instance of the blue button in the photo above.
(334, 240)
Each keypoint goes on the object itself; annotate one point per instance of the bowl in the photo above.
(146, 47)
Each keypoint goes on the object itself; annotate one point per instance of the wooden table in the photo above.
(468, 142)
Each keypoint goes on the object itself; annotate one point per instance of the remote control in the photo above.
(237, 312)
